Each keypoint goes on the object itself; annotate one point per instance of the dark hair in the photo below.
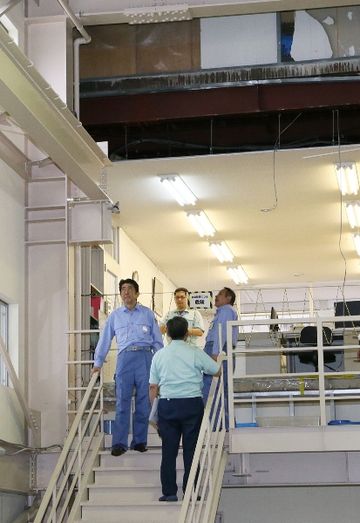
(230, 293)
(130, 281)
(181, 289)
(177, 328)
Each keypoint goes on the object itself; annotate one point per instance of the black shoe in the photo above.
(168, 498)
(117, 451)
(140, 447)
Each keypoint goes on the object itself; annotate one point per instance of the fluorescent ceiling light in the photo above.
(347, 177)
(158, 13)
(221, 251)
(178, 189)
(201, 223)
(238, 274)
(353, 214)
(356, 238)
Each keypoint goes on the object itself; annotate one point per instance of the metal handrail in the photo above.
(320, 374)
(67, 482)
(205, 479)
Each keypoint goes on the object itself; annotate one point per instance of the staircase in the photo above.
(88, 484)
(127, 488)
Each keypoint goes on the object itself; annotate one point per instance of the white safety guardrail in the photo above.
(68, 483)
(320, 374)
(205, 479)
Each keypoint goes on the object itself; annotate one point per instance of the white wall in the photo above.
(238, 40)
(47, 49)
(133, 259)
(12, 291)
(310, 40)
(290, 504)
(47, 264)
(11, 505)
(47, 328)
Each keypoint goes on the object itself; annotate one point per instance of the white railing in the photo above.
(320, 396)
(205, 479)
(68, 483)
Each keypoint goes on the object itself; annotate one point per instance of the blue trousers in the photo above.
(207, 379)
(178, 418)
(132, 372)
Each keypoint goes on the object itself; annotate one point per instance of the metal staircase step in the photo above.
(128, 476)
(125, 493)
(153, 440)
(126, 488)
(145, 460)
(151, 512)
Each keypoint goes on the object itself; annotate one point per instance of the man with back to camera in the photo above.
(138, 337)
(192, 316)
(225, 312)
(176, 375)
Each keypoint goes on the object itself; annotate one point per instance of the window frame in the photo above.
(4, 332)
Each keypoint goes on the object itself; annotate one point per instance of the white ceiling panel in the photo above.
(296, 242)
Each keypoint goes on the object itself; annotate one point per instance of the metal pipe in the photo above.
(84, 39)
(78, 313)
(79, 26)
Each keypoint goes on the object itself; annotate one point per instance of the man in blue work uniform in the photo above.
(225, 312)
(176, 375)
(138, 337)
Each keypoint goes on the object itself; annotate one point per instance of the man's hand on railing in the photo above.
(94, 370)
(219, 359)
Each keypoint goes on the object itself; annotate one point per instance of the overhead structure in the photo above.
(44, 117)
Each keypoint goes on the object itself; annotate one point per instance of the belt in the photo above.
(135, 348)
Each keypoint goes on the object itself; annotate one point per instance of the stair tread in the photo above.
(130, 504)
(104, 468)
(109, 486)
(151, 450)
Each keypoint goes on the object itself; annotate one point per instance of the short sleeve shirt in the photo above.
(178, 370)
(194, 319)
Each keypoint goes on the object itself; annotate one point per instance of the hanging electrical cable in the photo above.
(336, 112)
(275, 149)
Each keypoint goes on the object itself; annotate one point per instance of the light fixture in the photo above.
(178, 189)
(347, 177)
(201, 223)
(356, 238)
(222, 251)
(158, 13)
(238, 274)
(353, 214)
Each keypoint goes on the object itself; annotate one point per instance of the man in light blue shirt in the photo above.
(138, 337)
(176, 375)
(225, 312)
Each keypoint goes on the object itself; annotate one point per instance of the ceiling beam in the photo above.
(12, 156)
(249, 99)
(47, 121)
(6, 5)
(95, 14)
